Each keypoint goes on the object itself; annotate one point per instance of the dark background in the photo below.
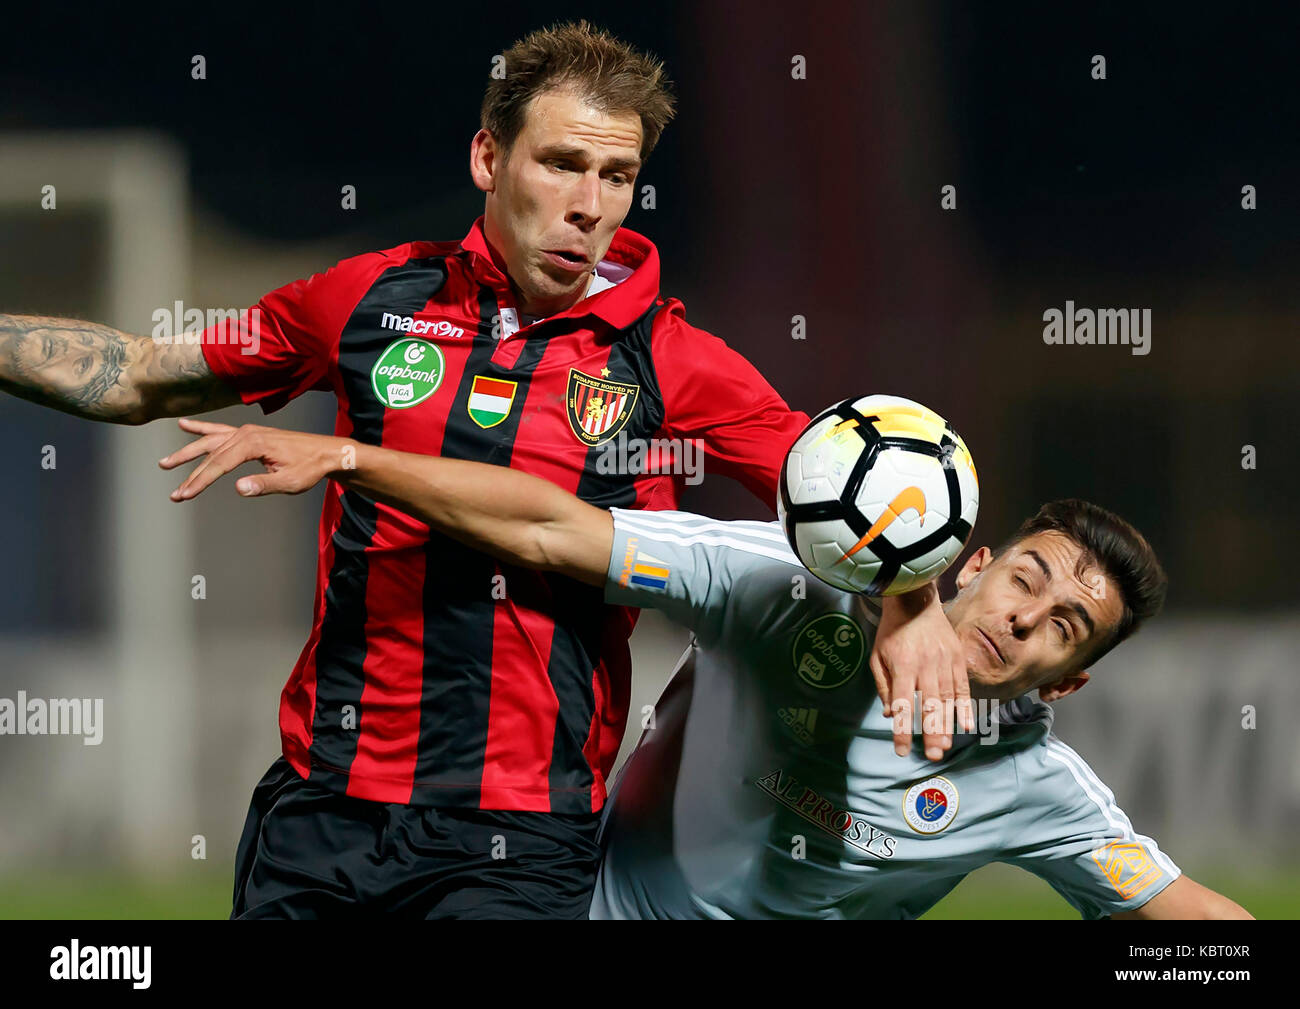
(819, 197)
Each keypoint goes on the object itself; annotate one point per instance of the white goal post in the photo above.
(139, 183)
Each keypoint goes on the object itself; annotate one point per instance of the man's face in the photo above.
(554, 203)
(1028, 618)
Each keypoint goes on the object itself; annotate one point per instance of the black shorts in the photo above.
(307, 852)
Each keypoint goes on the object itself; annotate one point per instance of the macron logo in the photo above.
(410, 324)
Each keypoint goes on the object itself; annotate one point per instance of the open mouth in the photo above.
(567, 258)
(992, 646)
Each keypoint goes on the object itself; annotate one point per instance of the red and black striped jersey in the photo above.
(435, 675)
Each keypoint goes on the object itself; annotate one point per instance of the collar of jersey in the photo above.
(620, 306)
(1022, 710)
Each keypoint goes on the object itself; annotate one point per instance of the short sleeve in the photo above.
(711, 392)
(687, 565)
(1072, 834)
(285, 345)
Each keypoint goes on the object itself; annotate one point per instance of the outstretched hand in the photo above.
(294, 461)
(916, 649)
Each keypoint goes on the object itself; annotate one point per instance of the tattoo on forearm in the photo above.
(102, 361)
(71, 365)
(93, 370)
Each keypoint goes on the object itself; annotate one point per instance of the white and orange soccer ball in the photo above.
(878, 495)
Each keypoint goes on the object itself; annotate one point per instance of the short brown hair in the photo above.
(607, 72)
(1115, 546)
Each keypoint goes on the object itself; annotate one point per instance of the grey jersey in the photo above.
(767, 785)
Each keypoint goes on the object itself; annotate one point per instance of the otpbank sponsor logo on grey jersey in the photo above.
(828, 651)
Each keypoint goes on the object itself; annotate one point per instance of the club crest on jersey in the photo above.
(490, 400)
(929, 806)
(598, 408)
(407, 373)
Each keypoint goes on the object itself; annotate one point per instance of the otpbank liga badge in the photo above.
(828, 650)
(598, 408)
(407, 373)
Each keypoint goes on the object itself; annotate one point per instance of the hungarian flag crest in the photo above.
(490, 400)
(598, 408)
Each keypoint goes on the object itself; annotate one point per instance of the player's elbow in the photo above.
(1216, 910)
(1187, 900)
(1210, 905)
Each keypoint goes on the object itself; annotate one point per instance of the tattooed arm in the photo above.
(95, 371)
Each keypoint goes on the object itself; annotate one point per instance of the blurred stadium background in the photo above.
(774, 198)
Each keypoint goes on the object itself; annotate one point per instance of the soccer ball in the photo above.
(878, 495)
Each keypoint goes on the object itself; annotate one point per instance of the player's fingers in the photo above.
(289, 480)
(904, 688)
(196, 448)
(901, 711)
(880, 674)
(204, 426)
(179, 494)
(233, 454)
(931, 715)
(961, 692)
(948, 697)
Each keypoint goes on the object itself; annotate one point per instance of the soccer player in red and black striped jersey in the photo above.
(450, 725)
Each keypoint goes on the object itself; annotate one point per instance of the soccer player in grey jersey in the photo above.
(767, 785)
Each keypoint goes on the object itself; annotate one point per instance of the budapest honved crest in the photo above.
(598, 408)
